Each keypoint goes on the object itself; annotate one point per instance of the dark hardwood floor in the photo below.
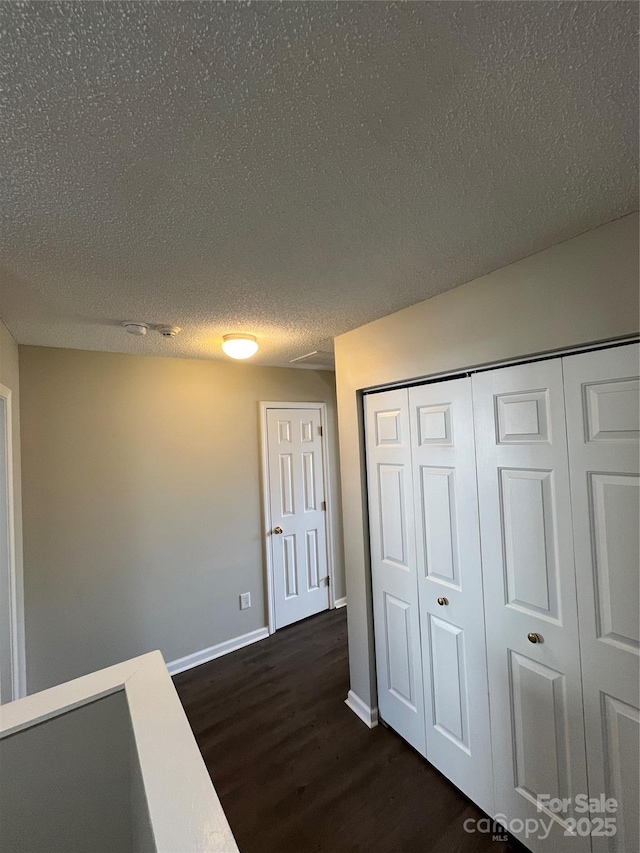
(297, 771)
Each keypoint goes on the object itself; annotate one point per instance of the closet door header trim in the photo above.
(469, 371)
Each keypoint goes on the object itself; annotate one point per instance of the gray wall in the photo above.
(581, 291)
(142, 503)
(66, 784)
(9, 377)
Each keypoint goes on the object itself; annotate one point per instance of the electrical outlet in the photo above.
(245, 600)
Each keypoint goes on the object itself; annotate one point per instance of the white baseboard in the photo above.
(213, 652)
(369, 716)
(341, 602)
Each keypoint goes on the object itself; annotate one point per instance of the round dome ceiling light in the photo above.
(239, 345)
(139, 329)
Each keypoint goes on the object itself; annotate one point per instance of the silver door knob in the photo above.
(442, 601)
(533, 637)
(277, 530)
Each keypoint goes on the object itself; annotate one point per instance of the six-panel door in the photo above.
(530, 597)
(603, 427)
(298, 535)
(450, 587)
(393, 566)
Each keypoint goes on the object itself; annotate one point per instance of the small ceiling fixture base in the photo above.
(133, 328)
(239, 345)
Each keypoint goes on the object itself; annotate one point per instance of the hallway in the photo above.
(297, 772)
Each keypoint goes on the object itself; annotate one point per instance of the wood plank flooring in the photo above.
(297, 771)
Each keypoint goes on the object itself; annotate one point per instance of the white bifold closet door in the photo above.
(504, 514)
(530, 594)
(450, 586)
(603, 428)
(393, 565)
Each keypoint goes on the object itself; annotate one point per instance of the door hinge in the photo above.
(323, 506)
(320, 431)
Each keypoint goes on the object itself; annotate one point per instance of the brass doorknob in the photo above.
(277, 530)
(533, 637)
(442, 601)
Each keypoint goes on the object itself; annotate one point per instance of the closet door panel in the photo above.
(449, 570)
(602, 401)
(393, 565)
(529, 592)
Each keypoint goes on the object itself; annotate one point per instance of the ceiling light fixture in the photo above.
(239, 345)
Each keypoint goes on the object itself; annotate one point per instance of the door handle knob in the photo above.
(533, 637)
(442, 601)
(277, 530)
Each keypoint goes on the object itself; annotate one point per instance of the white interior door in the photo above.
(529, 588)
(297, 539)
(450, 587)
(602, 419)
(393, 566)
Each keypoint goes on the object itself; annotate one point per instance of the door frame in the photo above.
(431, 378)
(266, 507)
(18, 676)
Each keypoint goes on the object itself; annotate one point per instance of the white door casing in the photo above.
(450, 587)
(603, 422)
(11, 677)
(393, 566)
(529, 588)
(297, 535)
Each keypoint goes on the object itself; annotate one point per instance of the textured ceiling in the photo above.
(295, 169)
